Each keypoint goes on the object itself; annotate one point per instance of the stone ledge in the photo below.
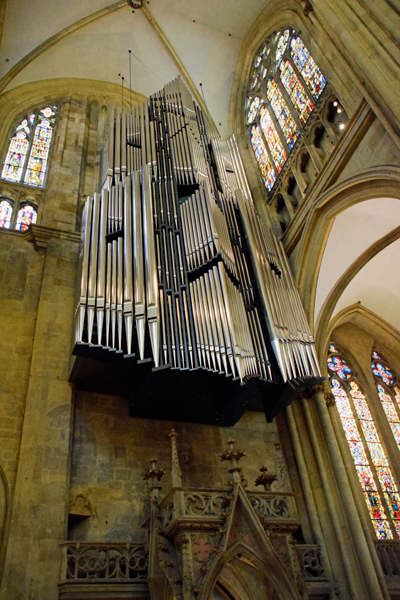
(104, 591)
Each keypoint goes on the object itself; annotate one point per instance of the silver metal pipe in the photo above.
(120, 287)
(114, 295)
(128, 264)
(138, 268)
(108, 294)
(152, 303)
(117, 148)
(101, 273)
(91, 299)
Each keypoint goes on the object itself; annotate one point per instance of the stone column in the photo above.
(38, 520)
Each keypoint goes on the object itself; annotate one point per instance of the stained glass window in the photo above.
(370, 459)
(262, 157)
(281, 44)
(297, 93)
(5, 213)
(271, 135)
(285, 84)
(282, 113)
(388, 392)
(26, 215)
(307, 66)
(253, 109)
(339, 366)
(32, 138)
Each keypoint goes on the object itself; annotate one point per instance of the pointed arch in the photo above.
(366, 185)
(261, 554)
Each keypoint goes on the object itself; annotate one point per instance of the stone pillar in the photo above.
(66, 177)
(38, 519)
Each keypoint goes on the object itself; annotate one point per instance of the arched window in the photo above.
(388, 392)
(370, 459)
(6, 208)
(27, 214)
(28, 151)
(284, 87)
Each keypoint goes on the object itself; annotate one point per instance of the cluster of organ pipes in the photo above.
(177, 266)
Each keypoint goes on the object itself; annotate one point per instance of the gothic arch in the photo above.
(383, 334)
(269, 566)
(348, 275)
(367, 185)
(23, 97)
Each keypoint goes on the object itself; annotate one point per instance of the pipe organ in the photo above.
(178, 270)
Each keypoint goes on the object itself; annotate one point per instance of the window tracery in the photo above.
(369, 456)
(28, 151)
(285, 84)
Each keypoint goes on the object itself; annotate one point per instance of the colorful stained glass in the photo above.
(286, 101)
(359, 402)
(394, 505)
(390, 412)
(297, 93)
(382, 530)
(262, 157)
(271, 135)
(383, 372)
(253, 109)
(33, 141)
(366, 478)
(26, 215)
(332, 349)
(339, 366)
(5, 213)
(15, 158)
(39, 153)
(377, 454)
(388, 404)
(281, 44)
(282, 113)
(309, 70)
(376, 356)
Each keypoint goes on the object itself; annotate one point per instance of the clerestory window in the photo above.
(366, 439)
(27, 156)
(16, 218)
(285, 86)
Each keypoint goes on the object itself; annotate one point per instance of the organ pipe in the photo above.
(177, 266)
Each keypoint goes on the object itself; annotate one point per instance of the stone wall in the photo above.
(111, 450)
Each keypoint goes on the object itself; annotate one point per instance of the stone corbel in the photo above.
(40, 236)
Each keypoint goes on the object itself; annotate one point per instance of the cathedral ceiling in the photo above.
(90, 39)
